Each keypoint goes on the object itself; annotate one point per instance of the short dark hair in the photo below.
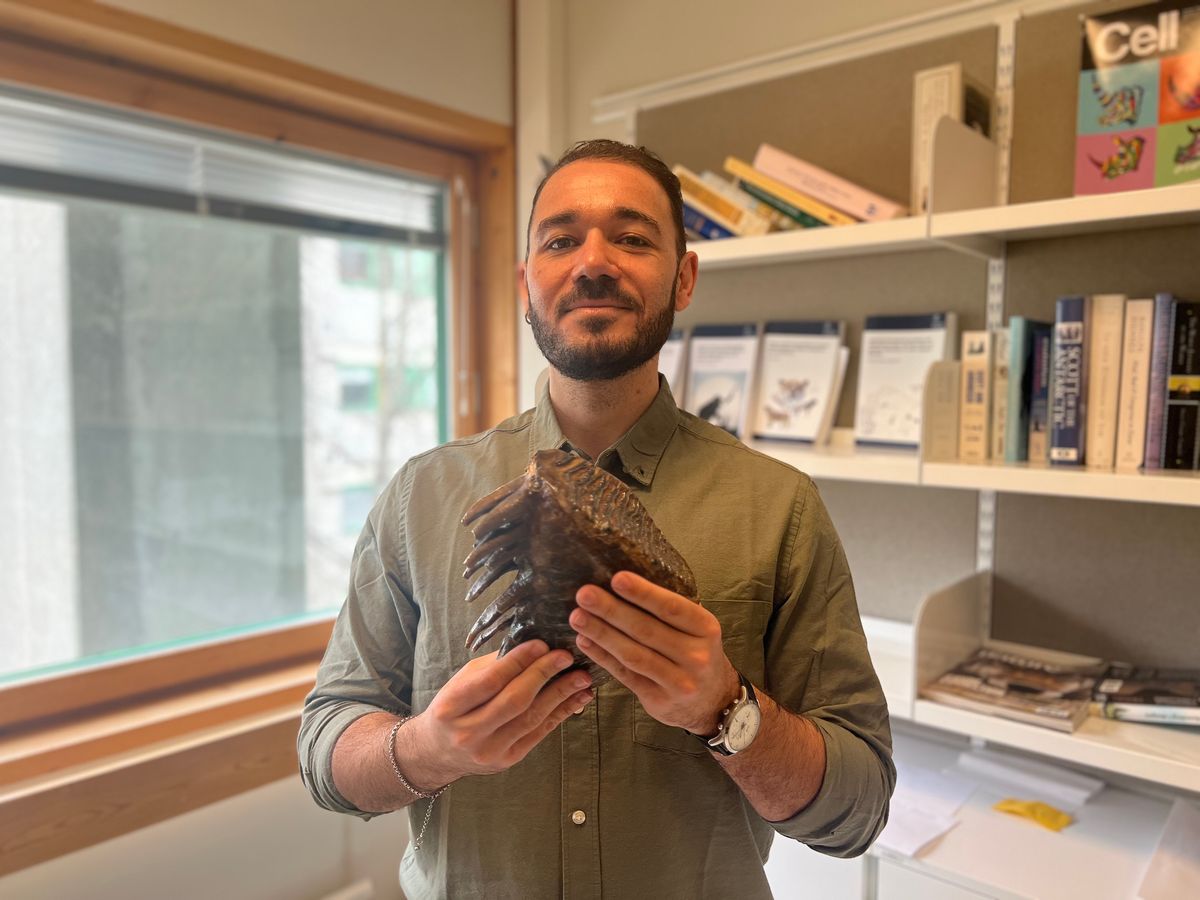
(646, 160)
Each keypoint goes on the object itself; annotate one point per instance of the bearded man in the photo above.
(753, 713)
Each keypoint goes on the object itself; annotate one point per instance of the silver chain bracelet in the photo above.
(421, 795)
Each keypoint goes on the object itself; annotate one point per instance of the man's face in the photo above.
(602, 283)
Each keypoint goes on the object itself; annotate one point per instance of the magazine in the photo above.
(802, 365)
(1021, 688)
(1148, 694)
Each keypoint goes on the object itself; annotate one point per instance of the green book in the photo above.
(797, 215)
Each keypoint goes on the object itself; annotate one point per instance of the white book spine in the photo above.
(1104, 379)
(824, 186)
(1134, 396)
(937, 92)
(975, 397)
(1000, 361)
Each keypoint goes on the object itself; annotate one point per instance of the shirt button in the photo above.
(579, 817)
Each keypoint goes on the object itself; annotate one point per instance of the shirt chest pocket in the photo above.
(743, 629)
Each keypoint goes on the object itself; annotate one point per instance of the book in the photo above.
(825, 187)
(1181, 425)
(1168, 696)
(798, 216)
(1138, 109)
(1105, 328)
(1068, 385)
(776, 220)
(1000, 363)
(937, 92)
(670, 363)
(1134, 392)
(803, 202)
(1160, 363)
(716, 207)
(974, 416)
(1013, 686)
(695, 222)
(939, 417)
(1039, 397)
(721, 363)
(896, 352)
(801, 366)
(1023, 334)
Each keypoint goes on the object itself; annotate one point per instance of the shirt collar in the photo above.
(638, 451)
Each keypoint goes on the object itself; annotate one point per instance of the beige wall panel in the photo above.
(624, 44)
(849, 289)
(903, 543)
(1116, 580)
(456, 54)
(1138, 263)
(853, 118)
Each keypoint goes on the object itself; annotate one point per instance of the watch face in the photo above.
(742, 726)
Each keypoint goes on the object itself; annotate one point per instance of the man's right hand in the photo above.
(490, 715)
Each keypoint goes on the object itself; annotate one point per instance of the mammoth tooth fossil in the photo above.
(562, 524)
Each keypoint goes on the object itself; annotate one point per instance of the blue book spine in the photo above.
(694, 220)
(1160, 366)
(1068, 394)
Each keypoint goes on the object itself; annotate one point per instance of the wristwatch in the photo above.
(739, 722)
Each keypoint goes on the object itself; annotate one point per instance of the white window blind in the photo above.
(71, 148)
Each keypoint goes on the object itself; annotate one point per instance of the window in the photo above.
(213, 355)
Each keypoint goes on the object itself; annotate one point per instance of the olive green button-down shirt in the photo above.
(614, 804)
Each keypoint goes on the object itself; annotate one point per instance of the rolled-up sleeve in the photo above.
(368, 664)
(817, 628)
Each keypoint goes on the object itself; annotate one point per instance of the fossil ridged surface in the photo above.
(562, 524)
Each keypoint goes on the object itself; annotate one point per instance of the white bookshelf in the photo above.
(893, 236)
(841, 460)
(1167, 487)
(951, 624)
(990, 226)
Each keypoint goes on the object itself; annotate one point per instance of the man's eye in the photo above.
(559, 243)
(635, 240)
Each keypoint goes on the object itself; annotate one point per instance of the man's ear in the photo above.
(523, 288)
(685, 280)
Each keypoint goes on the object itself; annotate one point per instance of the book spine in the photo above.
(937, 92)
(696, 221)
(825, 187)
(1000, 376)
(973, 418)
(1105, 327)
(798, 216)
(1145, 712)
(1160, 362)
(1068, 393)
(1134, 394)
(720, 209)
(776, 220)
(805, 202)
(1181, 441)
(939, 416)
(1020, 370)
(1042, 352)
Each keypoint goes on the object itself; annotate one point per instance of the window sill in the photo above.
(72, 783)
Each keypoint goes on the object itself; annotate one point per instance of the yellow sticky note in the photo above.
(1036, 811)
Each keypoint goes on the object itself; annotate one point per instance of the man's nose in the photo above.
(595, 257)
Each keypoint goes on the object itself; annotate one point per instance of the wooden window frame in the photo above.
(89, 755)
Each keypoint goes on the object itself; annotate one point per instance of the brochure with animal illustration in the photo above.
(800, 380)
(721, 362)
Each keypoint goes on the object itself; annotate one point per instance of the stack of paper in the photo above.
(922, 808)
(1030, 779)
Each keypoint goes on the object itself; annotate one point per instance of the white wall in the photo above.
(606, 48)
(456, 54)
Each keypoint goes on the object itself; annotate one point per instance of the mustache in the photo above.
(603, 288)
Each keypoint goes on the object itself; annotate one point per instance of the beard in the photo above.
(603, 358)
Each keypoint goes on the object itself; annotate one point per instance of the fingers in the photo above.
(636, 683)
(480, 680)
(629, 650)
(515, 700)
(675, 610)
(575, 702)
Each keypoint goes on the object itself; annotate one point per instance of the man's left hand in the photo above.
(662, 646)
